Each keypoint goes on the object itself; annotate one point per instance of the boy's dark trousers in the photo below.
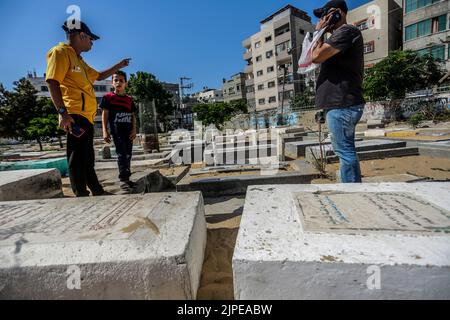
(124, 149)
(81, 160)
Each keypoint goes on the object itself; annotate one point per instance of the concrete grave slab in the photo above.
(122, 247)
(227, 183)
(374, 133)
(30, 184)
(359, 241)
(146, 180)
(138, 164)
(240, 155)
(367, 149)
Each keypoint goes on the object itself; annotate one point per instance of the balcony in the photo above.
(249, 82)
(287, 87)
(283, 38)
(250, 95)
(247, 43)
(283, 56)
(248, 68)
(248, 55)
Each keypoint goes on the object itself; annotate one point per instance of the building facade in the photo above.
(234, 89)
(272, 57)
(380, 22)
(426, 28)
(209, 96)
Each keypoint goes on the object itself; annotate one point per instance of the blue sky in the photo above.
(200, 39)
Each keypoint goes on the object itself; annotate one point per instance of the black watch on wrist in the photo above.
(62, 110)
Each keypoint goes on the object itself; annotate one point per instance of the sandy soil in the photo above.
(421, 166)
(217, 275)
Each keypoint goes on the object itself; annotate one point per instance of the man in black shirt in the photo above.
(339, 86)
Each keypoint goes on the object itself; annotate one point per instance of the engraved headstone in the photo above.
(344, 241)
(124, 247)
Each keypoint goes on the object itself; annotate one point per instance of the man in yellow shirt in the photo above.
(70, 82)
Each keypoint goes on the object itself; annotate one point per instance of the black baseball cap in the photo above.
(68, 28)
(338, 4)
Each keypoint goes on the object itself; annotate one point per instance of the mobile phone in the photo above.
(77, 131)
(335, 18)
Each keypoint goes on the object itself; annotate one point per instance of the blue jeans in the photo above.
(342, 124)
(124, 149)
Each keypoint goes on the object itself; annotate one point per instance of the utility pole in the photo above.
(183, 86)
(281, 118)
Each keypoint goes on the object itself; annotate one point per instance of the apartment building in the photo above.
(209, 95)
(234, 88)
(272, 56)
(426, 28)
(380, 22)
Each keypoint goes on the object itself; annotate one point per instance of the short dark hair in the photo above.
(120, 73)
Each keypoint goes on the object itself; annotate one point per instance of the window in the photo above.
(270, 69)
(287, 95)
(272, 99)
(259, 73)
(426, 27)
(258, 58)
(269, 38)
(44, 89)
(258, 44)
(289, 79)
(437, 52)
(271, 84)
(250, 89)
(281, 30)
(301, 31)
(260, 87)
(100, 88)
(411, 5)
(262, 101)
(238, 88)
(369, 47)
(269, 54)
(362, 25)
(439, 23)
(282, 46)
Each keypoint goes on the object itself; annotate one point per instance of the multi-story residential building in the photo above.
(426, 28)
(234, 89)
(174, 90)
(209, 95)
(380, 22)
(272, 57)
(100, 88)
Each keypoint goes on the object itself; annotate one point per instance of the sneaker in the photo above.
(103, 193)
(127, 185)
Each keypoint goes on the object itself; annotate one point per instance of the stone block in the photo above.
(148, 247)
(358, 241)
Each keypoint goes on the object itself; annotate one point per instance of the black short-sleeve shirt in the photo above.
(341, 77)
(121, 109)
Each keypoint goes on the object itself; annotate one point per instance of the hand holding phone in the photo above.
(77, 131)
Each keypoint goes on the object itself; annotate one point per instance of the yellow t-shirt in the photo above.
(76, 80)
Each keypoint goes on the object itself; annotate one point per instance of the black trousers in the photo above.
(124, 149)
(81, 160)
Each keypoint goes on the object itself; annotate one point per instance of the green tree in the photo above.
(302, 100)
(18, 107)
(399, 73)
(144, 87)
(218, 113)
(43, 128)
